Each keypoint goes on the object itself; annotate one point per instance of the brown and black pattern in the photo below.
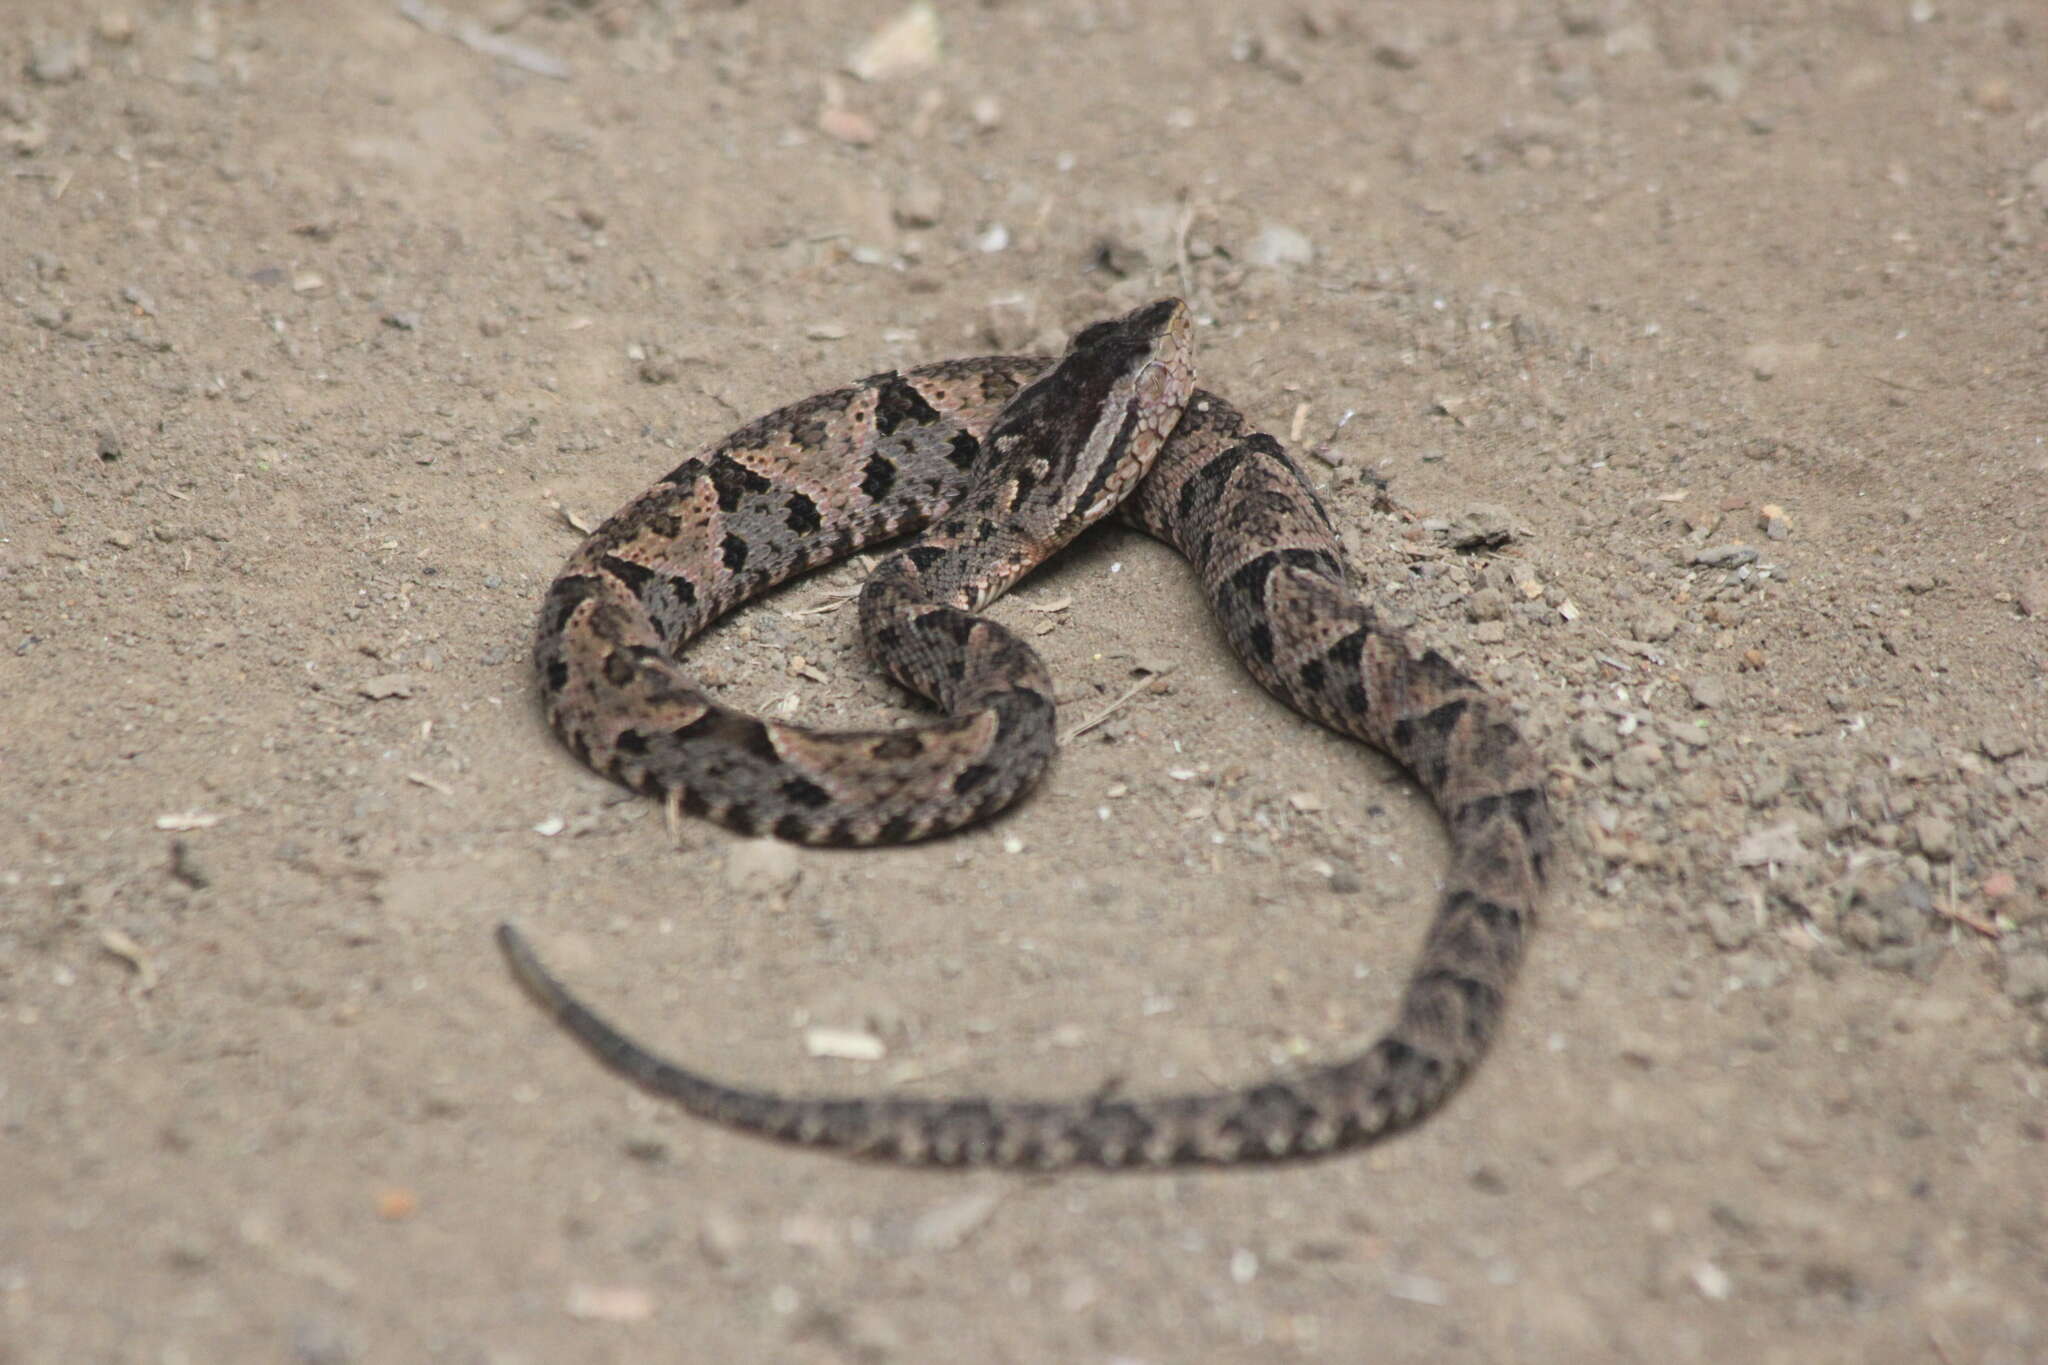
(1035, 469)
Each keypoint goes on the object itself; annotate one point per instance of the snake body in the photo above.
(1003, 459)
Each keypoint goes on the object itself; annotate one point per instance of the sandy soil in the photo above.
(318, 321)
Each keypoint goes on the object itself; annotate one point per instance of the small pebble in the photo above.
(56, 61)
(1992, 94)
(1596, 737)
(609, 1303)
(388, 686)
(844, 1044)
(1774, 845)
(921, 204)
(904, 46)
(187, 867)
(1935, 835)
(2002, 744)
(2026, 975)
(1723, 81)
(395, 1203)
(761, 867)
(844, 125)
(1487, 604)
(1655, 625)
(1482, 526)
(1279, 245)
(720, 1237)
(1635, 768)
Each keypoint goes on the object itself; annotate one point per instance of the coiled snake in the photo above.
(1003, 460)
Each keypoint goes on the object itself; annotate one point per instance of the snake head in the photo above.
(1070, 446)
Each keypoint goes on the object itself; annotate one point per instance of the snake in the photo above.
(999, 461)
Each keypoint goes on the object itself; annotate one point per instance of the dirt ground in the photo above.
(1701, 349)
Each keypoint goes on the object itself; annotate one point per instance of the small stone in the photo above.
(1279, 245)
(609, 1303)
(2028, 773)
(987, 113)
(1730, 926)
(1993, 95)
(108, 442)
(1774, 845)
(2026, 975)
(1487, 604)
(396, 1203)
(761, 867)
(904, 46)
(1635, 768)
(1725, 556)
(1655, 625)
(844, 125)
(187, 867)
(56, 61)
(1707, 692)
(1723, 81)
(2002, 744)
(921, 204)
(388, 686)
(1885, 908)
(1398, 53)
(1596, 737)
(946, 1225)
(720, 1238)
(1935, 835)
(1482, 526)
(116, 27)
(1011, 322)
(844, 1044)
(1999, 885)
(2031, 596)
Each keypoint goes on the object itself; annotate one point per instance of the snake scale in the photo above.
(1001, 460)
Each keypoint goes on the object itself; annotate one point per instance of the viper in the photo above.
(998, 462)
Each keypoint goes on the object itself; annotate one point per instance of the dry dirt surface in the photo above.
(1681, 367)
